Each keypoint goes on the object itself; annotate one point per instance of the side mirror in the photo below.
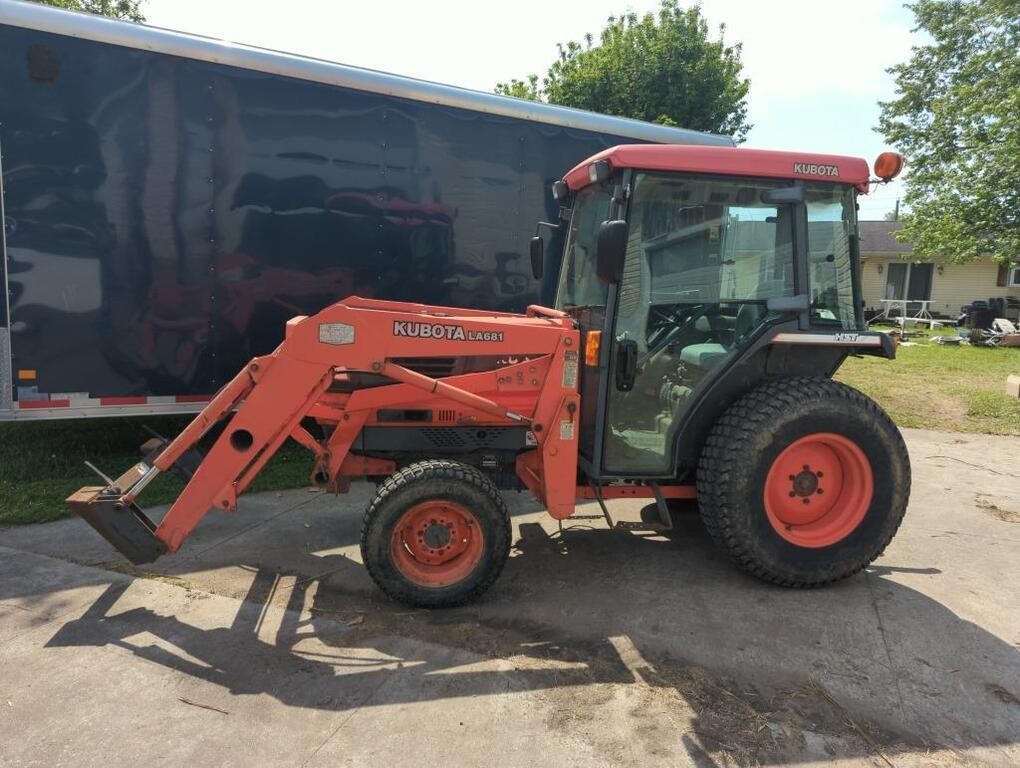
(537, 248)
(783, 195)
(611, 250)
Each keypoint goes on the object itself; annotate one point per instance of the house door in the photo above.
(909, 281)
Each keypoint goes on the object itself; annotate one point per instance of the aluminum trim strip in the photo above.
(88, 411)
(71, 405)
(104, 30)
(6, 363)
(6, 379)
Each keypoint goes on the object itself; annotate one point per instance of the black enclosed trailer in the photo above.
(169, 201)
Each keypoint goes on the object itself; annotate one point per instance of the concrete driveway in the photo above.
(264, 643)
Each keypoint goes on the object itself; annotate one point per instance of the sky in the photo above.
(817, 67)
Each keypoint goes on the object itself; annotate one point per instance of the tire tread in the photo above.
(755, 413)
(420, 472)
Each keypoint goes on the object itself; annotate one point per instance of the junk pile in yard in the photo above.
(1000, 333)
(982, 313)
(992, 323)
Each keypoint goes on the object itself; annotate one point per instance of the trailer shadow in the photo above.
(752, 671)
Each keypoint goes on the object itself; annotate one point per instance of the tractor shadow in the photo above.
(754, 670)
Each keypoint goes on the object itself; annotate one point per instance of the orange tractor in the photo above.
(705, 298)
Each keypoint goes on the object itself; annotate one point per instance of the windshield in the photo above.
(579, 284)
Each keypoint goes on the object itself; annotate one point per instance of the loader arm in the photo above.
(309, 375)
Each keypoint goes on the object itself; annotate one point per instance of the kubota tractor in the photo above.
(706, 297)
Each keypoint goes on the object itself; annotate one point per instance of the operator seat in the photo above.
(704, 355)
(707, 355)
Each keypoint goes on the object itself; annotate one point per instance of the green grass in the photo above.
(959, 389)
(41, 463)
(930, 386)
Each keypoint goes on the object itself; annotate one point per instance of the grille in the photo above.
(463, 437)
(445, 438)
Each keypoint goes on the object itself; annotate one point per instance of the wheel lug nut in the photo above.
(792, 494)
(819, 490)
(792, 477)
(818, 474)
(807, 500)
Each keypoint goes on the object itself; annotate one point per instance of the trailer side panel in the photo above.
(165, 215)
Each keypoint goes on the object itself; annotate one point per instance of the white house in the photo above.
(887, 272)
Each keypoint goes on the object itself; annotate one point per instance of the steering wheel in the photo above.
(671, 333)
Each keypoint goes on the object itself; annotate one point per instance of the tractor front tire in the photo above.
(436, 535)
(803, 481)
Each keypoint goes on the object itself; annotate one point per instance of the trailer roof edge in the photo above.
(127, 34)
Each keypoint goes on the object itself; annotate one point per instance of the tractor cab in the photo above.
(683, 265)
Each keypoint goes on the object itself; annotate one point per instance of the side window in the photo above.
(705, 240)
(831, 223)
(757, 254)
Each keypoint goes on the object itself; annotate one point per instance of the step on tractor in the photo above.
(705, 298)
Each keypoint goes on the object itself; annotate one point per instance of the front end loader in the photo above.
(705, 299)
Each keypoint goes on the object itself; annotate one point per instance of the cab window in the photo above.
(832, 230)
(579, 284)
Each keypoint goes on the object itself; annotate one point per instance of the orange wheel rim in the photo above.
(818, 490)
(436, 543)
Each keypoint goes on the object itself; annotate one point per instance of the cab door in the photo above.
(703, 257)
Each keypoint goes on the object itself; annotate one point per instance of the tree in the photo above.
(660, 68)
(956, 117)
(127, 10)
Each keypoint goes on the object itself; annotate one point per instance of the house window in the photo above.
(1014, 277)
(908, 281)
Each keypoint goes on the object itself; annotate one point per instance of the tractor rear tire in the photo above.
(803, 481)
(436, 535)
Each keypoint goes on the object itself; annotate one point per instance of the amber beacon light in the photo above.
(888, 165)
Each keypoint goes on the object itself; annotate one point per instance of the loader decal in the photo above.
(442, 331)
(336, 333)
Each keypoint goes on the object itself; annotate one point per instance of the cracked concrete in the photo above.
(265, 642)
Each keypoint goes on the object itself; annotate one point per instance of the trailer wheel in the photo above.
(437, 534)
(803, 481)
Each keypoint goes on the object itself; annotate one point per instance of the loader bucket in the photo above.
(125, 526)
